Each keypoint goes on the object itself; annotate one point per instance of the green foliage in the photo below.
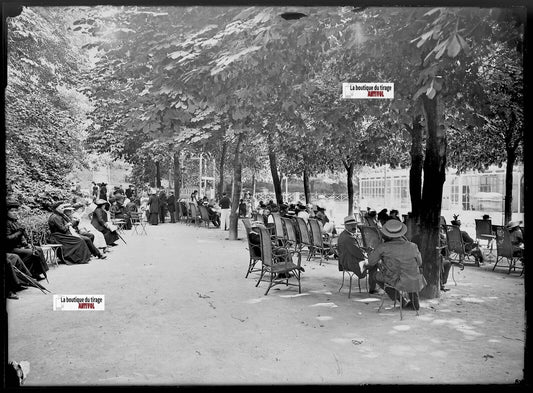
(45, 114)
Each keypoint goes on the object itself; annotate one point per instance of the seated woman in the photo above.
(118, 212)
(17, 243)
(74, 249)
(100, 222)
(87, 237)
(214, 215)
(82, 215)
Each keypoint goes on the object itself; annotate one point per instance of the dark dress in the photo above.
(99, 220)
(16, 243)
(74, 249)
(153, 202)
(171, 205)
(162, 206)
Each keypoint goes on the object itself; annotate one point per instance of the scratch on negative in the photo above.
(339, 370)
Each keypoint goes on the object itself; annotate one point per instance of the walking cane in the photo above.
(121, 238)
(30, 280)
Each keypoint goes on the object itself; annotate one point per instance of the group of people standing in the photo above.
(157, 205)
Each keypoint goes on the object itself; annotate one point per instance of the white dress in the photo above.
(85, 224)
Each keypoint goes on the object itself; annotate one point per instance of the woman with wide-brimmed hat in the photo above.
(153, 203)
(99, 220)
(74, 250)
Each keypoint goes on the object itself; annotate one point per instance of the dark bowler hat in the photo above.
(486, 217)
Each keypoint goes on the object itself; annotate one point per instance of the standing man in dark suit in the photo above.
(162, 206)
(171, 205)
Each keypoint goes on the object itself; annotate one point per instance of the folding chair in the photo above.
(137, 222)
(504, 249)
(50, 250)
(194, 213)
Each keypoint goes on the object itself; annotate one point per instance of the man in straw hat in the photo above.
(471, 246)
(351, 257)
(517, 238)
(399, 264)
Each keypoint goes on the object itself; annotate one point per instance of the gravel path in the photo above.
(179, 311)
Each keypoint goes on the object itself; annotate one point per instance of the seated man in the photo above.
(351, 257)
(517, 238)
(471, 247)
(17, 243)
(399, 264)
(214, 215)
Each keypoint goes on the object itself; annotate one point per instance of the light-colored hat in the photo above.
(99, 202)
(349, 220)
(513, 224)
(394, 228)
(64, 206)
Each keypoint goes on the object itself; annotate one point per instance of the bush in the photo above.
(36, 225)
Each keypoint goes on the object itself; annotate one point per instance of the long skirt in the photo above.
(110, 236)
(99, 239)
(34, 261)
(154, 218)
(74, 249)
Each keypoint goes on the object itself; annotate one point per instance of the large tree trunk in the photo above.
(434, 176)
(349, 182)
(221, 170)
(307, 190)
(508, 206)
(417, 163)
(177, 175)
(236, 190)
(157, 175)
(275, 176)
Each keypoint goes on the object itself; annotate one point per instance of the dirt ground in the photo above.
(179, 311)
